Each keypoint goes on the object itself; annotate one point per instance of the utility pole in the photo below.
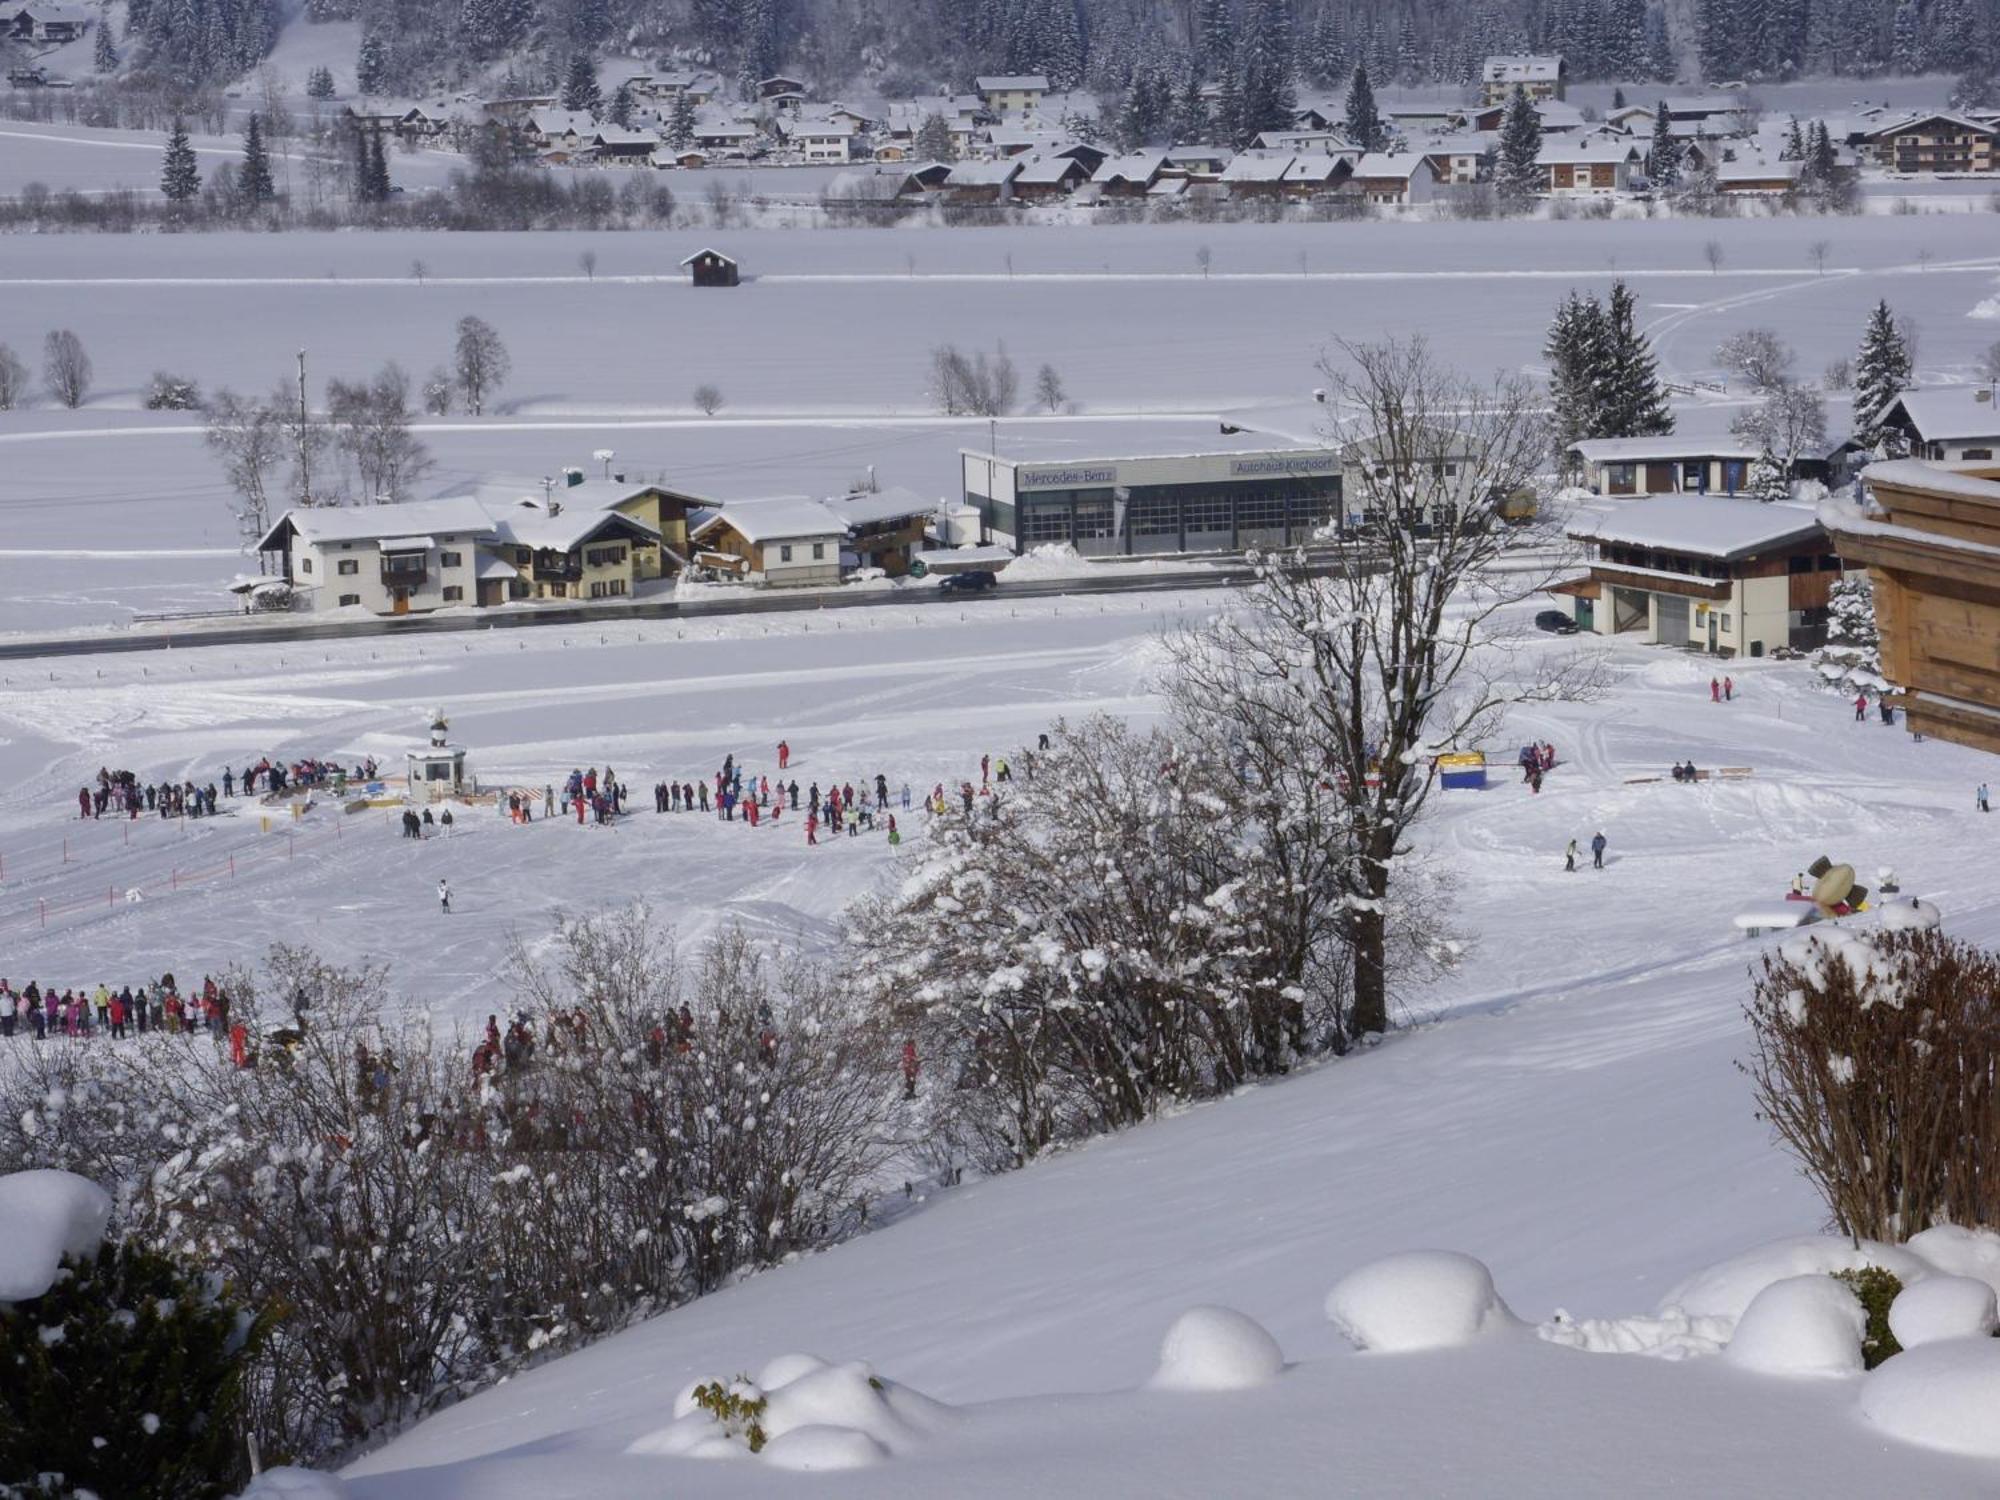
(304, 437)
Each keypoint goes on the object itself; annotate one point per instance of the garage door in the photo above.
(1670, 619)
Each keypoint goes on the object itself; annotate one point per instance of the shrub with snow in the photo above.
(1727, 1288)
(1958, 1251)
(1217, 1349)
(1943, 1307)
(1803, 1325)
(1420, 1299)
(1910, 916)
(288, 1483)
(45, 1215)
(1943, 1395)
(800, 1413)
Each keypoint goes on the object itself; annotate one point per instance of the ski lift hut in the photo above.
(711, 268)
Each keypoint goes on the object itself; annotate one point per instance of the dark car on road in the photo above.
(974, 582)
(1555, 622)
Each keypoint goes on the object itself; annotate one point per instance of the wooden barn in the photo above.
(711, 268)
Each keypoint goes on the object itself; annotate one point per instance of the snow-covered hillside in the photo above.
(1566, 1109)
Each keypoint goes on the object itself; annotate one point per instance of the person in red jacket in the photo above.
(784, 755)
(239, 1044)
(812, 829)
(83, 801)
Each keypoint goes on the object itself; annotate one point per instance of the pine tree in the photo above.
(1217, 25)
(180, 177)
(103, 56)
(1190, 113)
(579, 91)
(681, 125)
(935, 139)
(319, 84)
(1794, 148)
(620, 109)
(371, 63)
(1906, 42)
(371, 169)
(253, 177)
(1634, 402)
(1574, 350)
(1364, 120)
(1518, 172)
(1881, 373)
(1767, 480)
(1663, 160)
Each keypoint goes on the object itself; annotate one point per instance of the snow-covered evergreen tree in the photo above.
(1767, 480)
(1633, 401)
(1517, 172)
(1663, 158)
(1575, 352)
(1851, 659)
(580, 91)
(180, 177)
(1881, 373)
(1363, 119)
(933, 139)
(680, 126)
(1906, 39)
(371, 63)
(103, 55)
(253, 176)
(319, 83)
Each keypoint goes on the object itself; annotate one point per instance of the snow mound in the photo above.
(1942, 1395)
(1673, 1334)
(1420, 1299)
(814, 1415)
(1911, 916)
(45, 1215)
(1217, 1349)
(288, 1483)
(1728, 1287)
(1943, 1307)
(820, 1448)
(1803, 1325)
(1960, 1252)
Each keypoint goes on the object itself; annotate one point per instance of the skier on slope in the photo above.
(1569, 856)
(444, 897)
(1597, 850)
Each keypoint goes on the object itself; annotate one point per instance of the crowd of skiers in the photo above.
(121, 794)
(43, 1011)
(1536, 761)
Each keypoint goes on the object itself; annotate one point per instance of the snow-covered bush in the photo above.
(126, 1377)
(1803, 1325)
(1942, 1395)
(167, 391)
(1420, 1299)
(1217, 1349)
(1876, 1289)
(1851, 659)
(800, 1413)
(1095, 939)
(1942, 1307)
(1872, 1060)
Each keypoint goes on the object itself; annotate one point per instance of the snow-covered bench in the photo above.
(1763, 919)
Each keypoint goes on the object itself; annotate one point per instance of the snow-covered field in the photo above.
(821, 357)
(1566, 1108)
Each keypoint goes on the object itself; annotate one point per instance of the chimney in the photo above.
(572, 478)
(1985, 395)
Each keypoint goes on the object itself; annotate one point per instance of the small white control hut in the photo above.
(437, 770)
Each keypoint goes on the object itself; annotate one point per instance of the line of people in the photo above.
(42, 1011)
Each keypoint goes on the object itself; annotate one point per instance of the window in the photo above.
(305, 565)
(347, 599)
(819, 551)
(604, 557)
(524, 555)
(347, 567)
(1725, 624)
(1799, 564)
(453, 593)
(450, 559)
(1977, 453)
(785, 552)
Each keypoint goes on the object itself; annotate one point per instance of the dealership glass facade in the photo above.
(1202, 515)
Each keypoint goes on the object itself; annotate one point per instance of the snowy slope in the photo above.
(1570, 1112)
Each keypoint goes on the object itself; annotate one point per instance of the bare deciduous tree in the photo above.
(1391, 654)
(13, 379)
(1989, 363)
(1788, 423)
(1758, 356)
(973, 385)
(480, 362)
(588, 262)
(371, 430)
(250, 440)
(708, 399)
(1711, 251)
(1049, 388)
(65, 368)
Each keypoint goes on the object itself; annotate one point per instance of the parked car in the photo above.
(1555, 622)
(977, 581)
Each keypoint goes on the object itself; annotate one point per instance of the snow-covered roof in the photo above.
(568, 528)
(711, 253)
(1256, 167)
(774, 518)
(1045, 170)
(1949, 413)
(1704, 104)
(562, 121)
(984, 173)
(869, 507)
(1758, 171)
(823, 130)
(1403, 164)
(1960, 481)
(1557, 114)
(1011, 83)
(1665, 448)
(1133, 166)
(1938, 116)
(1314, 168)
(1522, 69)
(623, 135)
(1561, 153)
(1715, 526)
(368, 523)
